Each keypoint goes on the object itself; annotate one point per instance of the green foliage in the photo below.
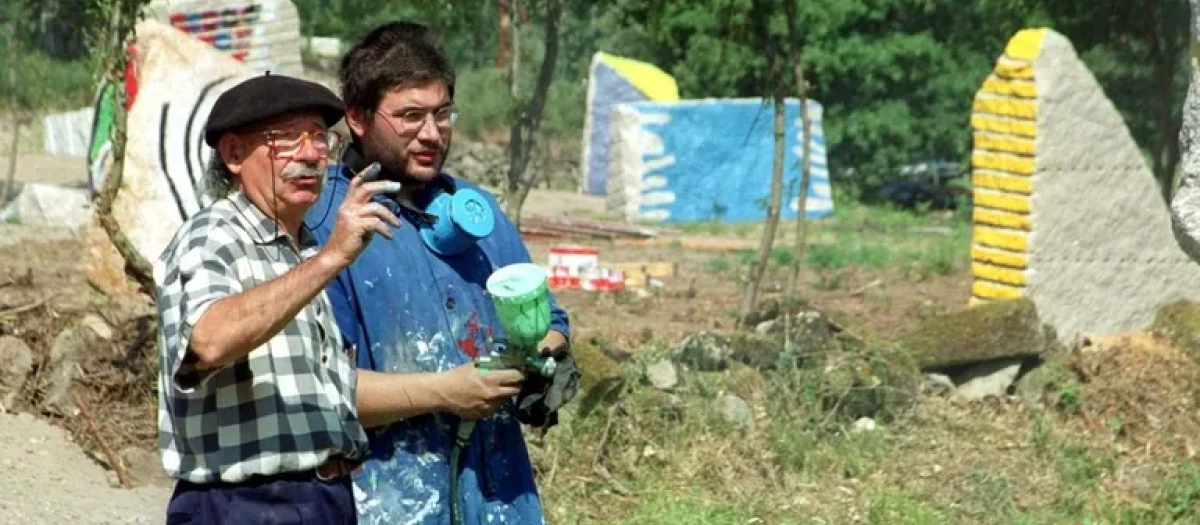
(671, 509)
(47, 83)
(42, 81)
(469, 28)
(896, 77)
(896, 509)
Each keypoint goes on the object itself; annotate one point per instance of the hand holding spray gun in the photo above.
(520, 294)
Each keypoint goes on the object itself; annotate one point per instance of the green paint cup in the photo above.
(521, 296)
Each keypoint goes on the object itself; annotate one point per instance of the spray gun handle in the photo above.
(541, 364)
(517, 359)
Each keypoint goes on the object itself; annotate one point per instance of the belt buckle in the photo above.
(332, 465)
(339, 468)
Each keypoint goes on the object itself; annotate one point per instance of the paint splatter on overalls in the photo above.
(407, 309)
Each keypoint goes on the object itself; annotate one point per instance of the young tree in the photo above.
(775, 82)
(528, 115)
(789, 10)
(113, 45)
(15, 12)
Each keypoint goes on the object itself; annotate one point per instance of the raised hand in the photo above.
(359, 217)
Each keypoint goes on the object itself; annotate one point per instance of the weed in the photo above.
(1071, 398)
(718, 265)
(991, 496)
(671, 509)
(1040, 433)
(897, 509)
(782, 256)
(1181, 493)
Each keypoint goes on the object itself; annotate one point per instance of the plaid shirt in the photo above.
(288, 405)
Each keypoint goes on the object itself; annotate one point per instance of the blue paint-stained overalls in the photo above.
(407, 309)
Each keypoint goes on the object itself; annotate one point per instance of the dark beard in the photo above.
(394, 163)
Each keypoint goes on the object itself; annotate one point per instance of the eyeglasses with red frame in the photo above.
(286, 144)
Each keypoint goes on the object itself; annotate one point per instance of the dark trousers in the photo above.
(285, 500)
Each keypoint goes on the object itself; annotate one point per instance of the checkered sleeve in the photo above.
(204, 259)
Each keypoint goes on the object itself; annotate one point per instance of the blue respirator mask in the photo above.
(453, 221)
(458, 219)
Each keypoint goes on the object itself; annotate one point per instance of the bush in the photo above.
(48, 84)
(482, 97)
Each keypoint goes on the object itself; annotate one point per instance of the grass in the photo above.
(663, 458)
(900, 509)
(857, 236)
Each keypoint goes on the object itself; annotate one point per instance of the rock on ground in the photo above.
(47, 479)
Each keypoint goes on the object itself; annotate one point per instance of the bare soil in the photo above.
(49, 479)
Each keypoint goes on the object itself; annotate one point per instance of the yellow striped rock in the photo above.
(1066, 211)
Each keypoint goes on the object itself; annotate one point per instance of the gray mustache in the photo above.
(293, 171)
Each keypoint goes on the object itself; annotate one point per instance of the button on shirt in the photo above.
(289, 404)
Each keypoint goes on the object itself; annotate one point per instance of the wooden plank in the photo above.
(1012, 88)
(1004, 143)
(656, 269)
(993, 124)
(692, 243)
(1001, 201)
(1002, 182)
(1015, 108)
(1011, 164)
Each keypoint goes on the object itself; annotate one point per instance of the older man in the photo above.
(257, 420)
(419, 314)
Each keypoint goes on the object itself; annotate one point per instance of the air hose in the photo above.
(530, 361)
(465, 427)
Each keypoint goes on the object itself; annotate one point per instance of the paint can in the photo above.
(521, 296)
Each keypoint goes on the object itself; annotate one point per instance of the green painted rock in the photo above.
(1179, 322)
(988, 331)
(600, 378)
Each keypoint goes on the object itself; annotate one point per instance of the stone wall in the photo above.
(710, 160)
(614, 80)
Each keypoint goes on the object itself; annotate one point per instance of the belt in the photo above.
(336, 468)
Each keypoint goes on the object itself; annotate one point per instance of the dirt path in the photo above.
(48, 479)
(49, 169)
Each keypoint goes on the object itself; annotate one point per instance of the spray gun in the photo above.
(521, 296)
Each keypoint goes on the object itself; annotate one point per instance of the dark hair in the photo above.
(393, 55)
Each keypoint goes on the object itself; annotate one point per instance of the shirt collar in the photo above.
(263, 229)
(353, 161)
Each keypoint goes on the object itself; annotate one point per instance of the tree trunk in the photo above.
(136, 266)
(1165, 56)
(523, 133)
(798, 248)
(750, 295)
(14, 104)
(10, 184)
(515, 146)
(503, 22)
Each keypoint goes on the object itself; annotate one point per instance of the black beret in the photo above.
(266, 96)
